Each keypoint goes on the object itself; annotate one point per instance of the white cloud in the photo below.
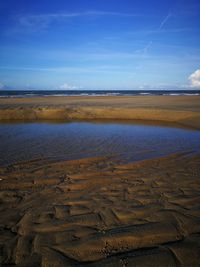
(67, 86)
(194, 79)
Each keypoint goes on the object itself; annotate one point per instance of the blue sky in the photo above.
(100, 44)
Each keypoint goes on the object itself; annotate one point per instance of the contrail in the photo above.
(147, 46)
(164, 21)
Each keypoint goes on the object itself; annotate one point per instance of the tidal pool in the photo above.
(74, 140)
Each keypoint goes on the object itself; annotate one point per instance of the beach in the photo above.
(100, 210)
(183, 110)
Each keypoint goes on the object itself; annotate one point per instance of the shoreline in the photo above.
(182, 110)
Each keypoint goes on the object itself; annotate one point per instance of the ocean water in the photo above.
(32, 93)
(74, 140)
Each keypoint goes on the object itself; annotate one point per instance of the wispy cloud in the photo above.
(43, 20)
(94, 69)
(82, 56)
(86, 57)
(194, 78)
(169, 30)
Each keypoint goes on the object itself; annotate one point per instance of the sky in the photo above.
(99, 44)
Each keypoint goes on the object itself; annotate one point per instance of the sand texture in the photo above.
(96, 212)
(184, 110)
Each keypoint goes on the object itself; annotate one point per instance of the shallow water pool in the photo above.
(75, 140)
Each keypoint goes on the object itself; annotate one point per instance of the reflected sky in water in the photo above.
(74, 140)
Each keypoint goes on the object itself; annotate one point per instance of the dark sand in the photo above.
(96, 212)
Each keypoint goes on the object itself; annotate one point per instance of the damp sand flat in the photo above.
(184, 110)
(97, 210)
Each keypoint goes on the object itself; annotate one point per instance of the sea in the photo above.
(42, 93)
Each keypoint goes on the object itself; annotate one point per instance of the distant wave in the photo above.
(144, 93)
(45, 93)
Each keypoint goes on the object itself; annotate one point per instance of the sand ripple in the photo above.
(95, 212)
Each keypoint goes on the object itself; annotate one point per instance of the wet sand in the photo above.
(183, 110)
(96, 211)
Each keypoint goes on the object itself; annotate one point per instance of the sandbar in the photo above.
(183, 110)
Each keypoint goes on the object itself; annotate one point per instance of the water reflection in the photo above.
(27, 141)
